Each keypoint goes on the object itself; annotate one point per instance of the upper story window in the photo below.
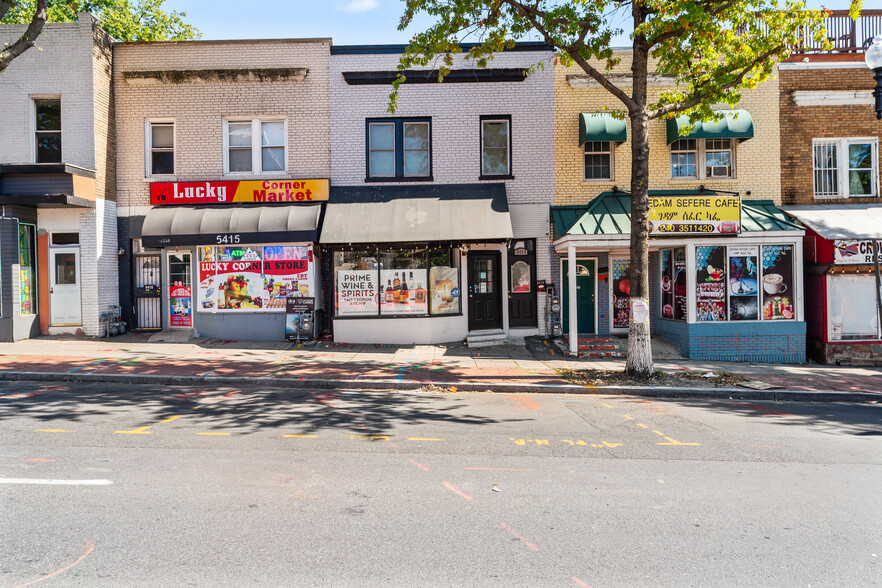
(495, 146)
(846, 168)
(717, 157)
(160, 148)
(399, 149)
(48, 130)
(598, 160)
(255, 146)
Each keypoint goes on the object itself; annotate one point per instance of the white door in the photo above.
(64, 287)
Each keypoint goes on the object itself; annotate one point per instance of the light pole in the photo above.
(873, 57)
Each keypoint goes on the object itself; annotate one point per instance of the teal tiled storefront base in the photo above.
(764, 342)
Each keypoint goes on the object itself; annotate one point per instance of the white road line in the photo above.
(56, 482)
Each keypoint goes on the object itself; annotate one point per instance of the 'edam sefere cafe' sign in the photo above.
(228, 192)
(678, 215)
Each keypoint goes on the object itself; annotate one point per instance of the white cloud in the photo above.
(359, 6)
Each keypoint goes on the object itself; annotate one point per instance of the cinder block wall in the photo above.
(801, 124)
(757, 160)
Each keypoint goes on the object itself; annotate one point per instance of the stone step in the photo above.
(603, 354)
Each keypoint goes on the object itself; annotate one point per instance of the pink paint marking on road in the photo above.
(580, 582)
(419, 465)
(89, 547)
(519, 537)
(450, 487)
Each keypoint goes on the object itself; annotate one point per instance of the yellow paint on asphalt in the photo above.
(212, 433)
(607, 405)
(138, 431)
(659, 433)
(629, 417)
(168, 420)
(642, 426)
(53, 431)
(423, 439)
(675, 442)
(302, 436)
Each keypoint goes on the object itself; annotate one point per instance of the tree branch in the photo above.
(699, 97)
(28, 39)
(5, 5)
(682, 30)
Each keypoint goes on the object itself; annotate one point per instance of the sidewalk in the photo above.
(512, 368)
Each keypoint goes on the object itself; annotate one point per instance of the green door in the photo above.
(585, 275)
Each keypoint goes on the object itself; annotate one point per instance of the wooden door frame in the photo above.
(596, 293)
(497, 284)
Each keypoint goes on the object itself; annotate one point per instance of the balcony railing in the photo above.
(846, 35)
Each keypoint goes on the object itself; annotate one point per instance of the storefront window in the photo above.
(621, 296)
(444, 294)
(743, 283)
(853, 312)
(710, 283)
(403, 281)
(778, 291)
(679, 284)
(27, 260)
(253, 277)
(355, 277)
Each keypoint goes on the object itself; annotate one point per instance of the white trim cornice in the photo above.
(833, 98)
(822, 65)
(586, 82)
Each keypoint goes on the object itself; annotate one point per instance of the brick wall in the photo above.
(756, 160)
(199, 108)
(801, 124)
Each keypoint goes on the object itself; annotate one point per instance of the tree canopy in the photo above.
(124, 20)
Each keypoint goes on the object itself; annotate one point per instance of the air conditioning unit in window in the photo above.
(719, 171)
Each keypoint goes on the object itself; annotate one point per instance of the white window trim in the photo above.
(701, 163)
(32, 124)
(148, 147)
(507, 122)
(841, 147)
(612, 161)
(256, 147)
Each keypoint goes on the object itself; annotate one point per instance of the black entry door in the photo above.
(147, 294)
(485, 299)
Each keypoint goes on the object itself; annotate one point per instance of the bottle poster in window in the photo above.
(743, 283)
(777, 282)
(710, 283)
(621, 270)
(667, 283)
(404, 292)
(444, 295)
(680, 295)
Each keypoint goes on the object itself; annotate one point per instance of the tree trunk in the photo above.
(639, 364)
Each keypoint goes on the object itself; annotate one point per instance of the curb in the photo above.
(497, 387)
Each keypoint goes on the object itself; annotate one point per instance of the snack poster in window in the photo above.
(777, 282)
(179, 301)
(621, 269)
(710, 283)
(743, 283)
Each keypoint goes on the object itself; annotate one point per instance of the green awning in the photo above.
(736, 124)
(601, 126)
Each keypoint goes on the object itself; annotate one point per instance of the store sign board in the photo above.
(695, 214)
(230, 192)
(854, 252)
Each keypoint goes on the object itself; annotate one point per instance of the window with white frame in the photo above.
(718, 156)
(160, 148)
(47, 130)
(598, 160)
(495, 146)
(846, 168)
(255, 146)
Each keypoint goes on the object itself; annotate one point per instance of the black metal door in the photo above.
(485, 299)
(522, 283)
(147, 292)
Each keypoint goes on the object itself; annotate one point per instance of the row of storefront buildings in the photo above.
(202, 185)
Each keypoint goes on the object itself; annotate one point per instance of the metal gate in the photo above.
(147, 295)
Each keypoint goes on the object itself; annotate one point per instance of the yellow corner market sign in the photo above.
(694, 213)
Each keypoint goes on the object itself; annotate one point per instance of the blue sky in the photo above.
(348, 22)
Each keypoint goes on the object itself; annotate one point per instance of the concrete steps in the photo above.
(597, 348)
(487, 338)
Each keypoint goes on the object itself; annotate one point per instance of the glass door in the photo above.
(180, 290)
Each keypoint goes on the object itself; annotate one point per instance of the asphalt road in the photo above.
(137, 486)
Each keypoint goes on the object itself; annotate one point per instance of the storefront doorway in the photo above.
(180, 291)
(148, 291)
(586, 276)
(522, 283)
(485, 300)
(64, 287)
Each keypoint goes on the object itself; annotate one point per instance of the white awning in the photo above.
(841, 221)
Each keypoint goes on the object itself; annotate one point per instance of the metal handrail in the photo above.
(846, 35)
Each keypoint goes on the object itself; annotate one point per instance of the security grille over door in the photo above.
(148, 291)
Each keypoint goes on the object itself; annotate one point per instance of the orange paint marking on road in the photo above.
(580, 582)
(89, 547)
(502, 469)
(419, 465)
(519, 537)
(450, 487)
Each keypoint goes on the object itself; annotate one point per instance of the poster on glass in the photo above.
(743, 283)
(777, 282)
(357, 293)
(710, 283)
(404, 292)
(621, 293)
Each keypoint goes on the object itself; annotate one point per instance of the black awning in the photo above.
(187, 225)
(47, 200)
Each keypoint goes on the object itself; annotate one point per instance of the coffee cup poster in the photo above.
(710, 283)
(743, 283)
(777, 282)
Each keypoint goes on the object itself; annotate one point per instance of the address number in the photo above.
(225, 239)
